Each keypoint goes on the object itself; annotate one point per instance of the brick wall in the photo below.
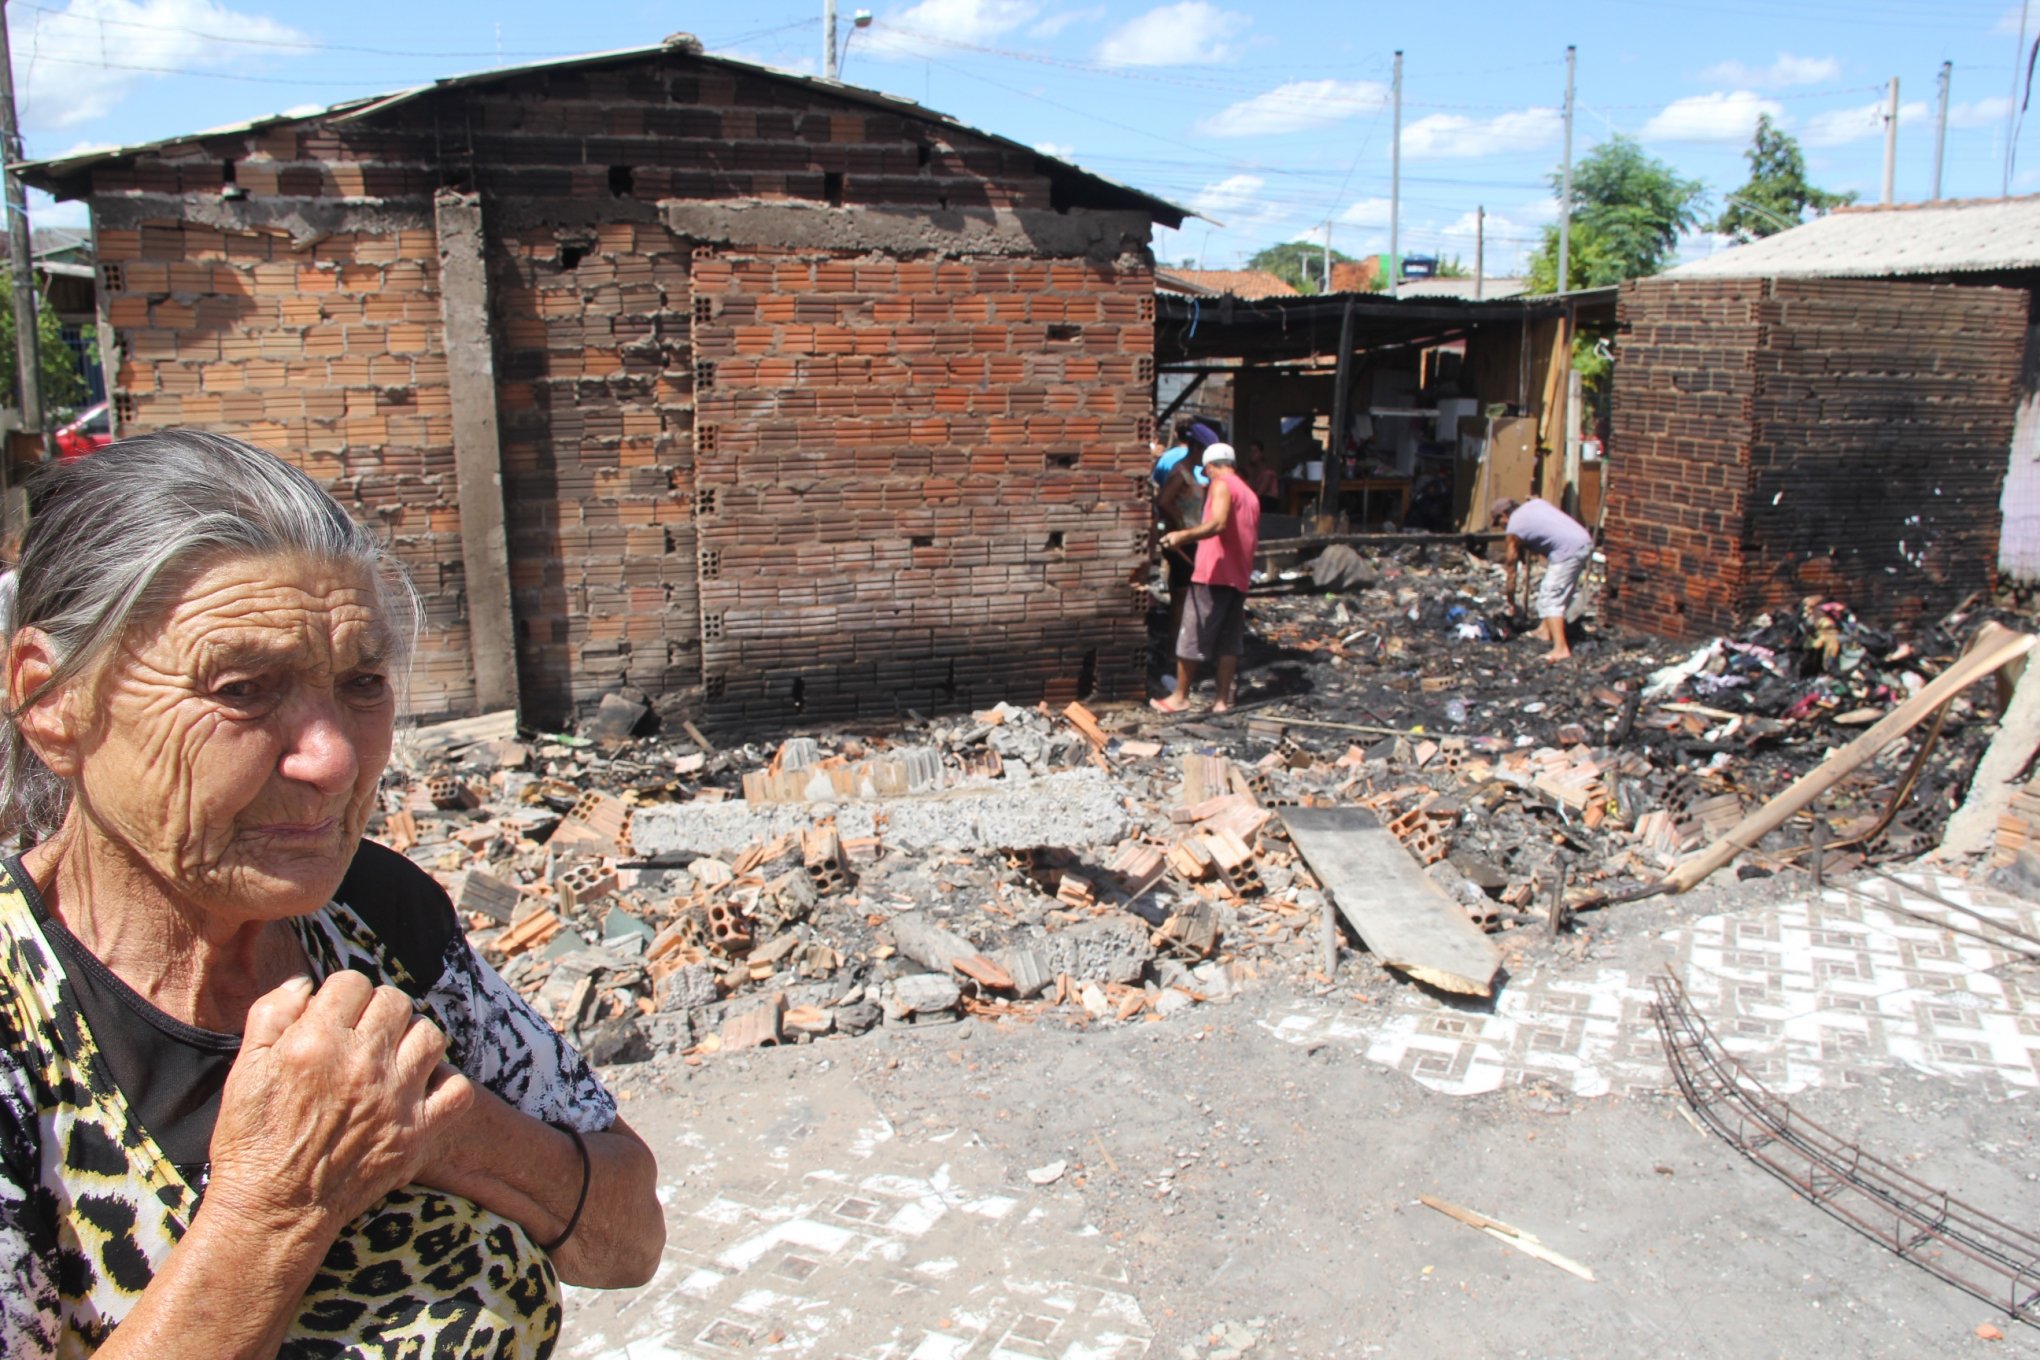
(595, 394)
(998, 413)
(327, 354)
(919, 484)
(1774, 439)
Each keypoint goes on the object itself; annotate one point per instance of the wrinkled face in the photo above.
(234, 750)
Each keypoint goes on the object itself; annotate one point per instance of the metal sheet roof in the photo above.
(50, 174)
(1974, 236)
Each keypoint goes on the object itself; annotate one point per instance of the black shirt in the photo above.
(171, 1073)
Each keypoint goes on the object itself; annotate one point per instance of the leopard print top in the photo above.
(90, 1207)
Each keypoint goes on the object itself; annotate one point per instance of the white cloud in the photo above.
(1498, 227)
(2009, 23)
(45, 211)
(1716, 117)
(934, 26)
(79, 64)
(1188, 33)
(1054, 24)
(1442, 135)
(1838, 127)
(1295, 107)
(1368, 212)
(1062, 151)
(1783, 73)
(1982, 113)
(1231, 199)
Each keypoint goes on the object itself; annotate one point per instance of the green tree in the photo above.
(62, 385)
(1300, 264)
(1628, 211)
(1777, 195)
(1452, 267)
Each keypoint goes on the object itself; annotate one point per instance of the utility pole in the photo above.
(1395, 191)
(828, 39)
(1890, 141)
(1565, 188)
(2012, 104)
(1479, 249)
(1941, 127)
(27, 362)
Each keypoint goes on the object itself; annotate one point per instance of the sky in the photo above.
(1271, 119)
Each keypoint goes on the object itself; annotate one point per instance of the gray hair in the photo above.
(117, 536)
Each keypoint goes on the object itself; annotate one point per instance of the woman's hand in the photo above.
(336, 1099)
(331, 1104)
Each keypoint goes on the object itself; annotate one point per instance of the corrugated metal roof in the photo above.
(1972, 236)
(1491, 287)
(47, 174)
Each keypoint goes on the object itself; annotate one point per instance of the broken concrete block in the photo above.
(1070, 809)
(1172, 1000)
(582, 884)
(856, 1017)
(923, 993)
(758, 1027)
(1190, 933)
(809, 1020)
(482, 892)
(1029, 970)
(1109, 949)
(669, 1031)
(687, 989)
(927, 943)
(828, 868)
(449, 794)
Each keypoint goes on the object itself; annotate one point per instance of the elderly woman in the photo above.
(257, 1094)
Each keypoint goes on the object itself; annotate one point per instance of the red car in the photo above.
(93, 429)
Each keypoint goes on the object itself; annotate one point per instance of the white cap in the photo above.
(1219, 453)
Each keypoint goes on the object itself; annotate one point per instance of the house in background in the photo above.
(776, 399)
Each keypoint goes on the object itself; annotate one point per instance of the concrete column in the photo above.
(477, 447)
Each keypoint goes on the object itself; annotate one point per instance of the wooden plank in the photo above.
(1400, 912)
(2009, 754)
(1502, 1232)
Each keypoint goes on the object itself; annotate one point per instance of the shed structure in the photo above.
(1774, 438)
(1990, 243)
(774, 398)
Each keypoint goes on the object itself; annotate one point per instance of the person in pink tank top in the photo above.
(1214, 624)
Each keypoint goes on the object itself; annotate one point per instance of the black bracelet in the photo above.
(587, 1174)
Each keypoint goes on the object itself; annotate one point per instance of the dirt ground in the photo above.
(1263, 1192)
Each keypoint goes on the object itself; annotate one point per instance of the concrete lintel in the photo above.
(305, 220)
(819, 226)
(477, 447)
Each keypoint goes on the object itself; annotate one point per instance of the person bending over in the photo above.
(1537, 526)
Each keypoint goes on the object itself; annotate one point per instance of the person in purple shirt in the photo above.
(1537, 526)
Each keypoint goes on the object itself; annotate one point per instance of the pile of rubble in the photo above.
(655, 895)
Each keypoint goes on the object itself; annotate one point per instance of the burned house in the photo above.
(1828, 412)
(774, 398)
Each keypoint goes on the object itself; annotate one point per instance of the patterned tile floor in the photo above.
(805, 1225)
(1804, 993)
